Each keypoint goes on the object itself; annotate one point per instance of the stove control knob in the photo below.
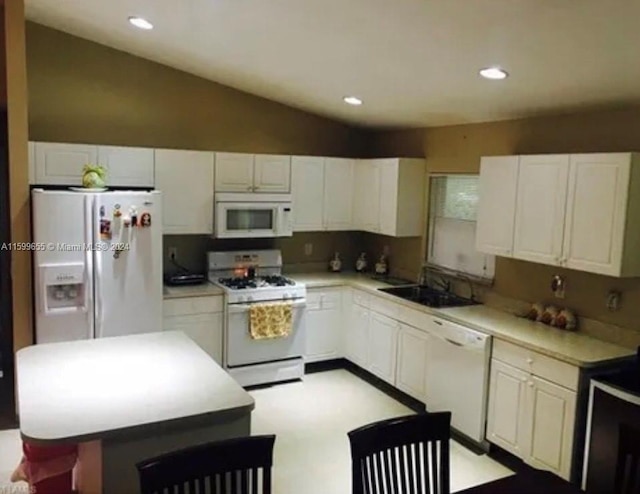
(249, 298)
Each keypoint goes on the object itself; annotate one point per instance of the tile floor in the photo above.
(311, 420)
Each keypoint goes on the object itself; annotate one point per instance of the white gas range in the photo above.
(254, 277)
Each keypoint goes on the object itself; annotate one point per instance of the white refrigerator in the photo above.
(97, 264)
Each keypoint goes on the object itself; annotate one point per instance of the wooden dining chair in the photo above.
(627, 480)
(240, 466)
(404, 455)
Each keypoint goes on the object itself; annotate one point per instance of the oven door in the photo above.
(244, 350)
(246, 220)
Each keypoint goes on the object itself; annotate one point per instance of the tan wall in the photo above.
(18, 170)
(457, 149)
(81, 91)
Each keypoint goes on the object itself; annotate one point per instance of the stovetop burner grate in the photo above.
(259, 282)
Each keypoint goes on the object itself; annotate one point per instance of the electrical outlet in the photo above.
(173, 253)
(308, 249)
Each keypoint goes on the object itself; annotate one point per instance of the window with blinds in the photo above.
(452, 226)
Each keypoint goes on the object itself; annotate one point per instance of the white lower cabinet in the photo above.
(531, 417)
(412, 362)
(201, 318)
(357, 336)
(382, 344)
(324, 325)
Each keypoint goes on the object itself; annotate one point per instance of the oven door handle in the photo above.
(295, 304)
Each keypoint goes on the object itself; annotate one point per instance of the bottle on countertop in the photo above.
(382, 266)
(335, 264)
(361, 263)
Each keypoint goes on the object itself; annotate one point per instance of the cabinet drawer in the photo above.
(192, 305)
(319, 299)
(360, 298)
(558, 372)
(414, 318)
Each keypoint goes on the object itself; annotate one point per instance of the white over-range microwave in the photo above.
(253, 215)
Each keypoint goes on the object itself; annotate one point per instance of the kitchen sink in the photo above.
(428, 296)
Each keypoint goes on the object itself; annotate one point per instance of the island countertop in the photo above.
(94, 389)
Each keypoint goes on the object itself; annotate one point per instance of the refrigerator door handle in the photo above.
(88, 258)
(97, 280)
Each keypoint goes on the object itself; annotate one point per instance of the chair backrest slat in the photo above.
(221, 467)
(405, 455)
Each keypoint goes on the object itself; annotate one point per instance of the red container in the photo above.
(50, 468)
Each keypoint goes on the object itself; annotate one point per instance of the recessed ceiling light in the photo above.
(140, 22)
(352, 100)
(495, 73)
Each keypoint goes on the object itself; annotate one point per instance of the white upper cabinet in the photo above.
(338, 193)
(366, 205)
(186, 181)
(272, 173)
(234, 172)
(61, 164)
(603, 213)
(307, 190)
(497, 205)
(127, 166)
(540, 208)
(240, 172)
(389, 196)
(578, 211)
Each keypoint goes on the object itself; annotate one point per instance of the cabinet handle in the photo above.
(437, 322)
(524, 379)
(249, 188)
(531, 384)
(529, 361)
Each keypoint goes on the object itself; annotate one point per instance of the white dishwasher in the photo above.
(457, 371)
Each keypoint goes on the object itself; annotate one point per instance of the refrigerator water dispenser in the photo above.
(64, 287)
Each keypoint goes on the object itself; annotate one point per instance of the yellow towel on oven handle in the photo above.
(268, 321)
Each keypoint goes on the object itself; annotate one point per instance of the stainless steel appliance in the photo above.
(253, 277)
(253, 215)
(614, 402)
(97, 264)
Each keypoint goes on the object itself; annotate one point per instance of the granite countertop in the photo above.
(205, 290)
(113, 386)
(572, 347)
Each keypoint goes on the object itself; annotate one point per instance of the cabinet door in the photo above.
(540, 208)
(324, 328)
(412, 360)
(234, 172)
(272, 173)
(358, 336)
(32, 162)
(338, 194)
(61, 164)
(367, 196)
(204, 329)
(186, 181)
(507, 417)
(307, 191)
(596, 212)
(127, 166)
(497, 204)
(552, 410)
(383, 341)
(388, 175)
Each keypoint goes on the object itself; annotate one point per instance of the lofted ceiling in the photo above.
(413, 62)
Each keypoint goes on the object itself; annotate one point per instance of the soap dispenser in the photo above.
(335, 264)
(361, 263)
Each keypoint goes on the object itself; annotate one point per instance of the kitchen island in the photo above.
(125, 399)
